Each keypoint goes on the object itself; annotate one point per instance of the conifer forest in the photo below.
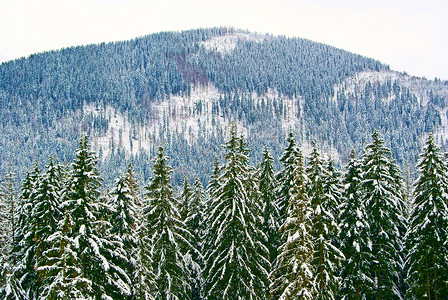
(306, 231)
(221, 164)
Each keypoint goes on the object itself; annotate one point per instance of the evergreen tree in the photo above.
(267, 185)
(46, 213)
(23, 272)
(167, 232)
(124, 220)
(3, 240)
(384, 215)
(293, 269)
(427, 239)
(142, 276)
(93, 246)
(185, 199)
(324, 194)
(284, 177)
(132, 183)
(11, 289)
(236, 256)
(60, 272)
(194, 220)
(355, 242)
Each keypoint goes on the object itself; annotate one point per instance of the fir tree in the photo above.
(384, 215)
(124, 220)
(3, 240)
(11, 289)
(142, 276)
(293, 269)
(355, 242)
(23, 272)
(93, 246)
(167, 232)
(235, 258)
(194, 220)
(185, 199)
(284, 177)
(426, 241)
(60, 272)
(46, 213)
(267, 185)
(324, 194)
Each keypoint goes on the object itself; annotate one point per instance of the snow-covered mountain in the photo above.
(183, 90)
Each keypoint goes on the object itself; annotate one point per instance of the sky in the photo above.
(409, 35)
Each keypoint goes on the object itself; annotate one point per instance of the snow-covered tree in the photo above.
(384, 213)
(24, 253)
(284, 177)
(194, 220)
(236, 257)
(167, 233)
(427, 238)
(124, 220)
(46, 213)
(143, 277)
(355, 242)
(94, 248)
(3, 240)
(60, 270)
(11, 288)
(185, 199)
(324, 193)
(267, 184)
(293, 271)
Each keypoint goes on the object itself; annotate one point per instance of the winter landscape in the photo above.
(220, 163)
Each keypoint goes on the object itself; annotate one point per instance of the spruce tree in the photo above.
(293, 271)
(384, 215)
(194, 220)
(185, 199)
(355, 242)
(168, 234)
(11, 289)
(60, 272)
(124, 220)
(46, 213)
(236, 257)
(142, 276)
(23, 272)
(284, 177)
(90, 230)
(324, 196)
(3, 240)
(427, 239)
(267, 185)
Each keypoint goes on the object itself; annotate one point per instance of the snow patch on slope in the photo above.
(416, 85)
(193, 117)
(226, 43)
(121, 133)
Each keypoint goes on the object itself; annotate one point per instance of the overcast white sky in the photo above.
(409, 35)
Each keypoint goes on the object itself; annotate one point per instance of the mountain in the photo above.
(183, 90)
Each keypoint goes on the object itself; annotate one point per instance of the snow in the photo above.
(356, 245)
(118, 132)
(183, 117)
(226, 43)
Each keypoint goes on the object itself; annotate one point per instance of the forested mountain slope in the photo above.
(182, 90)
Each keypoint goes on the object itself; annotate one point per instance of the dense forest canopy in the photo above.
(308, 231)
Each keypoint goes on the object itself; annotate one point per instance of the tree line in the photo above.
(307, 231)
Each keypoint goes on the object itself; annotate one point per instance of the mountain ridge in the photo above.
(183, 89)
